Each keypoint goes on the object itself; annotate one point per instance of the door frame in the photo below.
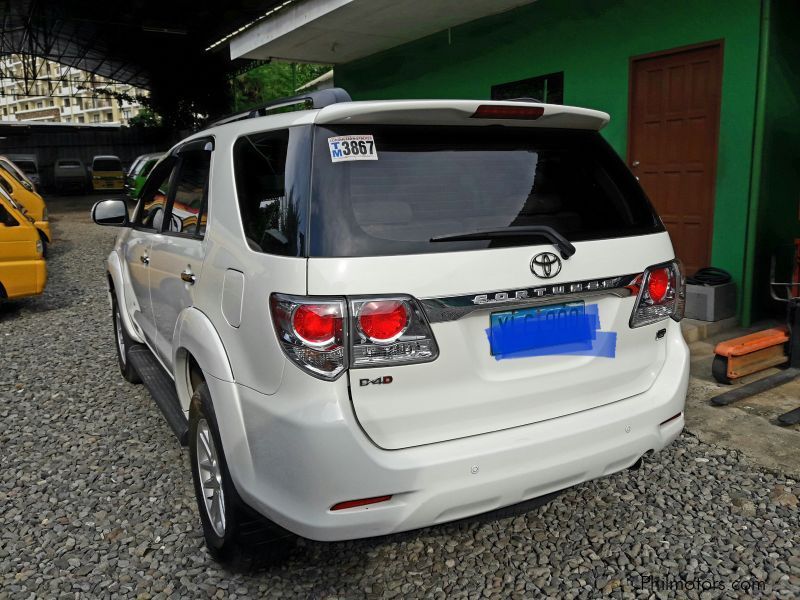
(719, 45)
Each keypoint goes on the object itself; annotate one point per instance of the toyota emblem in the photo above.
(546, 265)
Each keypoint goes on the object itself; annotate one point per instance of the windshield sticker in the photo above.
(352, 147)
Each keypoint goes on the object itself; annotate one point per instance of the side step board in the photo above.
(161, 388)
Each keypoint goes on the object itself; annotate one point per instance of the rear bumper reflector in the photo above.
(678, 416)
(362, 502)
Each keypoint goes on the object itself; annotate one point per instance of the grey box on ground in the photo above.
(711, 302)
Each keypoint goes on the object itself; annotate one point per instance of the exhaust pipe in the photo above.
(638, 464)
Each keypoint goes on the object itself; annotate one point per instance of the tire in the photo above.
(234, 533)
(44, 245)
(719, 369)
(123, 343)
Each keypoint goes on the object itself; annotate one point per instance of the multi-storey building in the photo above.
(35, 89)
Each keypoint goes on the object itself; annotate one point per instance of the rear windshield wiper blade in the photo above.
(559, 241)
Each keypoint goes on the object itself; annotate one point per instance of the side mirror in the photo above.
(110, 212)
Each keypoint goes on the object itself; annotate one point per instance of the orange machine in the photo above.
(750, 353)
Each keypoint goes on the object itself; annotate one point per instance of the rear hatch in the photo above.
(395, 221)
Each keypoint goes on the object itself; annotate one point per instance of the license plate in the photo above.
(550, 329)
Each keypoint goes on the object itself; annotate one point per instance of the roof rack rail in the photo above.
(318, 99)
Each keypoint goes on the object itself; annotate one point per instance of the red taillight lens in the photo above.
(661, 293)
(502, 111)
(362, 502)
(383, 320)
(658, 285)
(316, 324)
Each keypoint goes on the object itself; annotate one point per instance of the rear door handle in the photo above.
(635, 163)
(188, 277)
(145, 259)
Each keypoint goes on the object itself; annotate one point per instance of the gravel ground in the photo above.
(96, 497)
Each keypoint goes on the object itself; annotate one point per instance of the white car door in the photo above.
(177, 252)
(148, 221)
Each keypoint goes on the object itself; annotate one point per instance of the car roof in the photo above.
(105, 156)
(416, 112)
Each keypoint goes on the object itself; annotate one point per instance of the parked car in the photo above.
(28, 164)
(369, 317)
(23, 271)
(138, 174)
(7, 164)
(107, 173)
(33, 203)
(69, 174)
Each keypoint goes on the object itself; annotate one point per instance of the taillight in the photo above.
(389, 331)
(314, 332)
(311, 332)
(661, 294)
(316, 325)
(658, 284)
(383, 321)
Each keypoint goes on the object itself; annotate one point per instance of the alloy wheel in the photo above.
(210, 473)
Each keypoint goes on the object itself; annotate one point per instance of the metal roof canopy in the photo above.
(144, 43)
(338, 31)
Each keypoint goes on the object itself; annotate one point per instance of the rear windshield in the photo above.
(106, 164)
(411, 184)
(26, 166)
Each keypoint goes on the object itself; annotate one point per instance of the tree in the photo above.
(145, 118)
(270, 81)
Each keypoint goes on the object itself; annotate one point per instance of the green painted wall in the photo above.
(779, 188)
(591, 42)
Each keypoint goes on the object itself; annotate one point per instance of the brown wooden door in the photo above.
(672, 146)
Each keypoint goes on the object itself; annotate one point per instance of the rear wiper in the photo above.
(558, 240)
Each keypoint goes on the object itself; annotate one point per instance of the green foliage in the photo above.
(145, 118)
(270, 81)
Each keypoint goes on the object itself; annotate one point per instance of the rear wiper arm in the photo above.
(559, 241)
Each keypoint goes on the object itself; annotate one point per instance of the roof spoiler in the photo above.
(318, 99)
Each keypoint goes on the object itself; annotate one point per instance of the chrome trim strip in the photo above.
(452, 308)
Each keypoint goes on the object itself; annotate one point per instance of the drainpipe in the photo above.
(756, 165)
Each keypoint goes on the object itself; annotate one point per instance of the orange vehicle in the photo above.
(23, 271)
(31, 201)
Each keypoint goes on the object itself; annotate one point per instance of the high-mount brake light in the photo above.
(383, 321)
(661, 293)
(505, 111)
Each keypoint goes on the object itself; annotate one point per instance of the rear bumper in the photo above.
(296, 453)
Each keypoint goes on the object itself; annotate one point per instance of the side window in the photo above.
(6, 219)
(191, 190)
(5, 184)
(270, 221)
(153, 201)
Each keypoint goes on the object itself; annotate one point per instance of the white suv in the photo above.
(368, 317)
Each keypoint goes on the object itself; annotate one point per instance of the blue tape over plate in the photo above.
(562, 329)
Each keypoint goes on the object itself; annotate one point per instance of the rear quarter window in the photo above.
(430, 182)
(272, 177)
